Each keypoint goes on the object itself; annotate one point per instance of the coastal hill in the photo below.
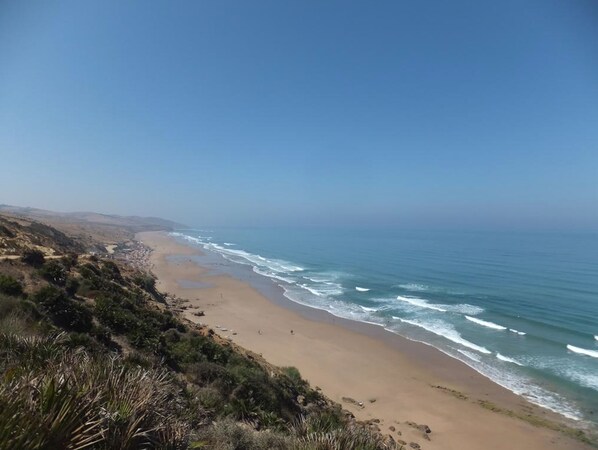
(93, 356)
(92, 230)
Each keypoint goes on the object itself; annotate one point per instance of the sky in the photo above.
(462, 114)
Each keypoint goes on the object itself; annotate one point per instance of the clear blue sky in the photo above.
(466, 114)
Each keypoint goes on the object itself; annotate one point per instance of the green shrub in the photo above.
(205, 373)
(293, 374)
(112, 314)
(54, 272)
(63, 311)
(33, 258)
(145, 281)
(71, 286)
(8, 305)
(111, 271)
(10, 286)
(69, 261)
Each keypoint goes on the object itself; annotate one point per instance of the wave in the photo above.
(317, 280)
(470, 355)
(584, 378)
(583, 351)
(520, 333)
(420, 302)
(277, 269)
(446, 331)
(463, 308)
(323, 290)
(360, 289)
(272, 275)
(335, 307)
(187, 238)
(228, 244)
(243, 257)
(507, 359)
(596, 337)
(485, 323)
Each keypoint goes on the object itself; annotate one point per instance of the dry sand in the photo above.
(393, 377)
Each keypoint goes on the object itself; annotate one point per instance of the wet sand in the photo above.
(397, 380)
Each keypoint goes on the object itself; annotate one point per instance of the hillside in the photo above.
(90, 228)
(92, 356)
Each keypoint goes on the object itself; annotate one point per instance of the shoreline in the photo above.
(397, 380)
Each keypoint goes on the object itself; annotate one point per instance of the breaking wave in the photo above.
(583, 351)
(485, 323)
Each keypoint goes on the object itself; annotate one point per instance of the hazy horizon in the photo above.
(469, 115)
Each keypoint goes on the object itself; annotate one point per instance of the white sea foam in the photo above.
(335, 307)
(324, 289)
(229, 244)
(585, 378)
(192, 239)
(312, 290)
(470, 355)
(272, 275)
(507, 359)
(462, 308)
(596, 337)
(446, 331)
(583, 351)
(360, 289)
(241, 256)
(485, 323)
(520, 333)
(414, 287)
(420, 302)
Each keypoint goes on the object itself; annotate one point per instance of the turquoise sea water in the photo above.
(520, 308)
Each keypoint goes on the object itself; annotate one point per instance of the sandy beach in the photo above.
(396, 380)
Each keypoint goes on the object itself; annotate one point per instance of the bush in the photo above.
(10, 286)
(69, 261)
(54, 272)
(111, 313)
(33, 258)
(64, 312)
(293, 374)
(205, 373)
(71, 286)
(111, 271)
(145, 281)
(9, 305)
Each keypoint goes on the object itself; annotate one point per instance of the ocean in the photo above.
(520, 308)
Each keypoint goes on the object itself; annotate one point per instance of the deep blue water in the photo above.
(507, 304)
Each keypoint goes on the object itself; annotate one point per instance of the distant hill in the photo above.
(90, 228)
(136, 222)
